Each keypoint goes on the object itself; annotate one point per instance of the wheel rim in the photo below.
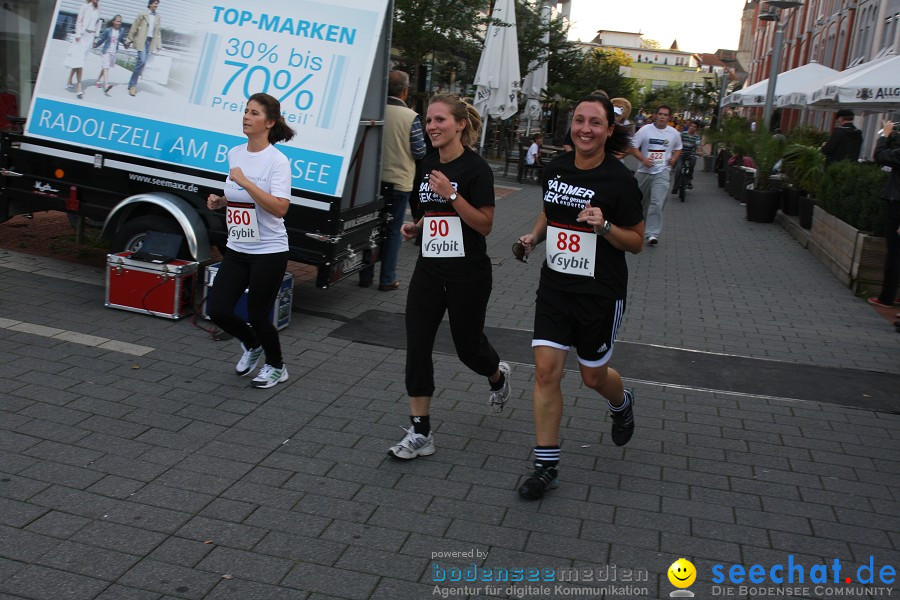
(134, 243)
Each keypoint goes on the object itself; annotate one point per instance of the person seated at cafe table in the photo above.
(533, 156)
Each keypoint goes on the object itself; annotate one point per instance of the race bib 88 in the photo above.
(570, 251)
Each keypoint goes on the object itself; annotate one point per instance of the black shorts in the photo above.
(587, 322)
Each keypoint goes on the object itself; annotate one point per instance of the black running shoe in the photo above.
(541, 480)
(623, 422)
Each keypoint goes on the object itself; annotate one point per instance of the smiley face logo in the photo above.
(682, 573)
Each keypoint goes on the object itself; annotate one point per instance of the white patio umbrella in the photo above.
(738, 95)
(799, 97)
(874, 85)
(498, 77)
(536, 79)
(787, 83)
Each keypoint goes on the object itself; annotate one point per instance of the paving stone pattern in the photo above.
(162, 475)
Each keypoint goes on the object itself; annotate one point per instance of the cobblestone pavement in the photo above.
(134, 465)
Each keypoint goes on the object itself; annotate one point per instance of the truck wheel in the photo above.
(130, 236)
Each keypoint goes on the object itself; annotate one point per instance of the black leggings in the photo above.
(262, 274)
(428, 298)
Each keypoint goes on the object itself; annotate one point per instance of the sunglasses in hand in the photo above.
(518, 250)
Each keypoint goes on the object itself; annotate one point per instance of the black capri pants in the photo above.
(428, 298)
(262, 274)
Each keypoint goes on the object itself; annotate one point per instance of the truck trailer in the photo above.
(148, 160)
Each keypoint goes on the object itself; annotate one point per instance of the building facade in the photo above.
(835, 33)
(653, 68)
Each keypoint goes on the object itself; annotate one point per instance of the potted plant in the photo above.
(804, 166)
(764, 200)
(732, 137)
(851, 192)
(848, 209)
(809, 139)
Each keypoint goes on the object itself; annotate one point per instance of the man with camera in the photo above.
(887, 154)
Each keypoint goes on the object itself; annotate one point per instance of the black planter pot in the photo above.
(762, 205)
(805, 211)
(790, 201)
(722, 175)
(740, 178)
(735, 181)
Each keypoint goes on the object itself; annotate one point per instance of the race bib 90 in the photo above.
(571, 252)
(240, 217)
(442, 238)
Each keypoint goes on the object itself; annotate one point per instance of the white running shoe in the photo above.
(269, 376)
(412, 445)
(499, 397)
(248, 360)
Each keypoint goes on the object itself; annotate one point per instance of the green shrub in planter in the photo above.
(852, 193)
(807, 135)
(804, 167)
(765, 149)
(732, 137)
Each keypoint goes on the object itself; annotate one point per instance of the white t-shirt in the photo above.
(270, 170)
(657, 145)
(531, 156)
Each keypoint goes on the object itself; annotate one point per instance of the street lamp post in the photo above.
(777, 42)
(725, 78)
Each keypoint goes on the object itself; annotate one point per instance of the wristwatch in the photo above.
(606, 228)
(452, 197)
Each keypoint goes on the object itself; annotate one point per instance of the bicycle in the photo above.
(685, 173)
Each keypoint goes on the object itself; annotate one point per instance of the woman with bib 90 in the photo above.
(257, 196)
(591, 216)
(453, 273)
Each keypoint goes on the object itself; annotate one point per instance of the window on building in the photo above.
(829, 51)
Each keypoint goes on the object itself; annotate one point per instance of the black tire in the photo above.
(130, 236)
(682, 186)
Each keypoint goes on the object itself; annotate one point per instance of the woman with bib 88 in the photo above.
(591, 216)
(453, 273)
(257, 196)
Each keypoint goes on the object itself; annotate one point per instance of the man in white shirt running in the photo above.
(657, 146)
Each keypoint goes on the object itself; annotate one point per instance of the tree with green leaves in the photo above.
(576, 74)
(530, 31)
(425, 27)
(675, 96)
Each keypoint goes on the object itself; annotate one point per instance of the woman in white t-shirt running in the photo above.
(257, 197)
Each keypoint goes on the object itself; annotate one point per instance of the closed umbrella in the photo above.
(498, 77)
(536, 80)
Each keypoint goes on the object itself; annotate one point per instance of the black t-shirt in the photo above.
(567, 189)
(473, 179)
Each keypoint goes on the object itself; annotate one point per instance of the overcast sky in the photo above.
(698, 25)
